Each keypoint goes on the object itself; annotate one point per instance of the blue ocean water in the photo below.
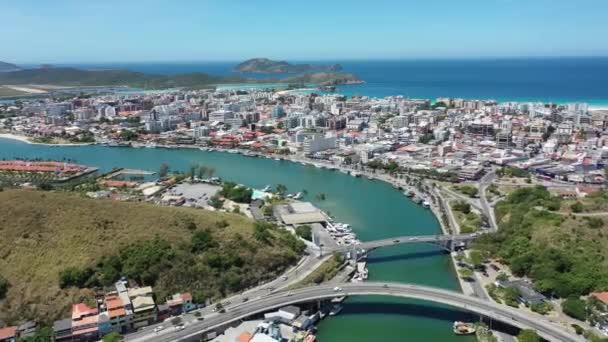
(549, 79)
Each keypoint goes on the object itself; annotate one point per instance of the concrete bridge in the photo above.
(448, 242)
(511, 316)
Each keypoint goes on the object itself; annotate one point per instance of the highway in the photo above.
(238, 311)
(367, 245)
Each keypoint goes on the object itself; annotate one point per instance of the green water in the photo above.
(374, 210)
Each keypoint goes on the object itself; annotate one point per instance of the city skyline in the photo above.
(70, 31)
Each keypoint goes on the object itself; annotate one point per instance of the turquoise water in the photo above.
(374, 210)
(557, 80)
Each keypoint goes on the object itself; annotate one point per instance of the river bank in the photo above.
(374, 209)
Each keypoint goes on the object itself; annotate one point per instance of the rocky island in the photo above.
(7, 67)
(268, 66)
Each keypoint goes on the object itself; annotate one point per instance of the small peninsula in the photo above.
(268, 66)
(7, 67)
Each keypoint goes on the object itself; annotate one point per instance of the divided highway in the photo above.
(525, 320)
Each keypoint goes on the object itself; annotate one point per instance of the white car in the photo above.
(179, 327)
(337, 289)
(159, 328)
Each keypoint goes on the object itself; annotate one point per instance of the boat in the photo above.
(426, 204)
(370, 178)
(462, 328)
(151, 145)
(297, 196)
(277, 159)
(267, 188)
(355, 174)
(409, 193)
(335, 310)
(417, 200)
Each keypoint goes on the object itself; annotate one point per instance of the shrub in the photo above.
(305, 232)
(4, 285)
(575, 308)
(577, 207)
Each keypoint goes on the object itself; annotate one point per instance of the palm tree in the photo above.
(281, 189)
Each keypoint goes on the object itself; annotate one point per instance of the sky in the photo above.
(74, 31)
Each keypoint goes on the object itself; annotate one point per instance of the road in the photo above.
(503, 313)
(485, 181)
(307, 264)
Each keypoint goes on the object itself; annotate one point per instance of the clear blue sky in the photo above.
(197, 30)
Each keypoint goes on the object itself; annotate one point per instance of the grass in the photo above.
(328, 269)
(44, 233)
(5, 91)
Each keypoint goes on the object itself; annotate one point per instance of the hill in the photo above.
(265, 65)
(564, 255)
(45, 234)
(78, 77)
(6, 67)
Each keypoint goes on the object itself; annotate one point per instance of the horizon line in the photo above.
(387, 59)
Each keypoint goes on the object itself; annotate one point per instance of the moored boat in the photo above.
(463, 328)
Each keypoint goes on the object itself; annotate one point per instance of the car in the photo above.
(200, 318)
(179, 327)
(396, 241)
(245, 299)
(159, 328)
(285, 277)
(494, 267)
(385, 286)
(288, 294)
(413, 239)
(337, 289)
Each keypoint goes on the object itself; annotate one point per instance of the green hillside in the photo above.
(92, 242)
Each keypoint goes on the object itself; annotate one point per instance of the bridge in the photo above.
(511, 316)
(449, 242)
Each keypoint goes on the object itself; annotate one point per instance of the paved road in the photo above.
(487, 209)
(307, 264)
(521, 319)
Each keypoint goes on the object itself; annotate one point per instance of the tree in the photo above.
(43, 334)
(528, 335)
(476, 258)
(4, 285)
(202, 171)
(281, 189)
(575, 308)
(216, 202)
(305, 232)
(465, 273)
(163, 171)
(112, 337)
(320, 197)
(202, 240)
(577, 207)
(176, 320)
(210, 172)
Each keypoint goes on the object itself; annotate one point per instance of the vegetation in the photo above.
(305, 232)
(112, 337)
(509, 171)
(468, 221)
(52, 256)
(528, 335)
(325, 272)
(468, 190)
(79, 77)
(3, 287)
(575, 308)
(562, 255)
(43, 334)
(236, 193)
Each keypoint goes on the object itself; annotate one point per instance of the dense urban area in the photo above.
(519, 190)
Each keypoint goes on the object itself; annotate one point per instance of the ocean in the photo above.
(559, 80)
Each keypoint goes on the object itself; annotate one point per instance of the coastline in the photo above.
(25, 139)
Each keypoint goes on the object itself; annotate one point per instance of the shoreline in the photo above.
(24, 139)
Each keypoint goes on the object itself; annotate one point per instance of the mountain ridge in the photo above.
(268, 66)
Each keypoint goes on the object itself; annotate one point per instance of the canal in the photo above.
(373, 209)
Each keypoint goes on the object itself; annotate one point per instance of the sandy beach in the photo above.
(27, 141)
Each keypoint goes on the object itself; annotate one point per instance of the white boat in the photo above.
(277, 159)
(267, 188)
(355, 174)
(426, 204)
(151, 145)
(298, 195)
(289, 195)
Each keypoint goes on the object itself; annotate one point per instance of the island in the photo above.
(26, 79)
(7, 67)
(268, 66)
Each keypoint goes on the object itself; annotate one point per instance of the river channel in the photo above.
(373, 209)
